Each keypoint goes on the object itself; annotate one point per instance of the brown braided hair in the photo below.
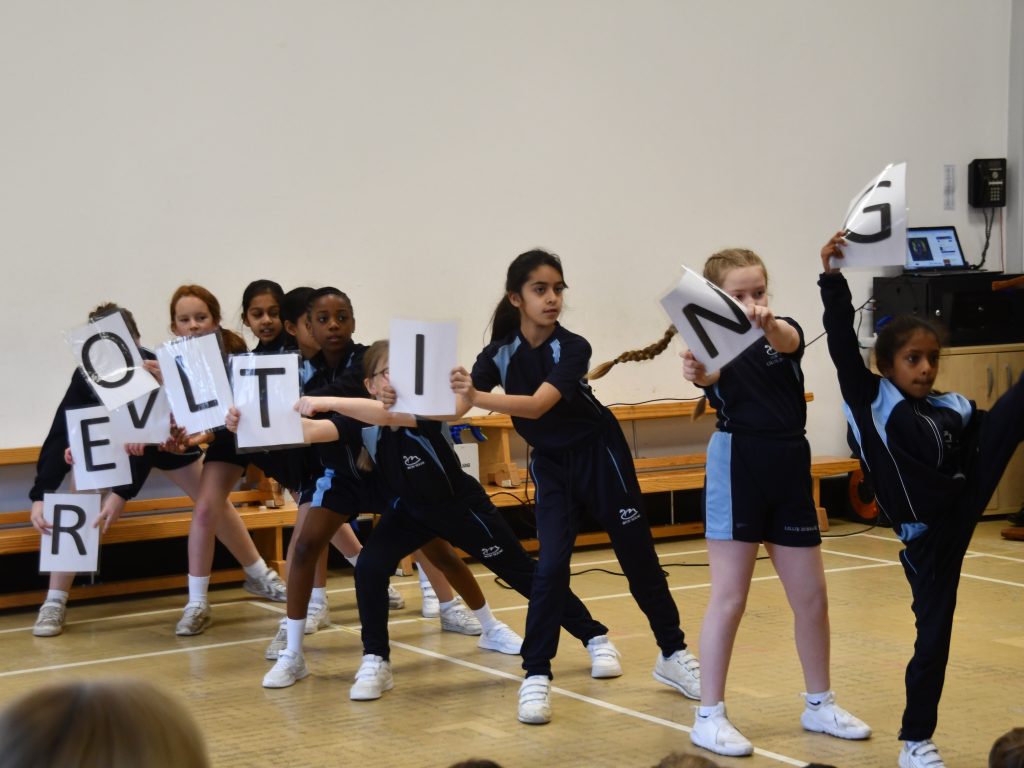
(715, 269)
(635, 355)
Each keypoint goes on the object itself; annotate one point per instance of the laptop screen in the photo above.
(931, 248)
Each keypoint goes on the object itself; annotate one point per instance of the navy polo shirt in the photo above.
(561, 361)
(762, 391)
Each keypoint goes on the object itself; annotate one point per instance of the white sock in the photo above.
(424, 581)
(485, 617)
(706, 711)
(319, 596)
(198, 586)
(257, 569)
(58, 596)
(814, 700)
(448, 604)
(352, 559)
(296, 630)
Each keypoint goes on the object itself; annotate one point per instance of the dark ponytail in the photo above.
(505, 319)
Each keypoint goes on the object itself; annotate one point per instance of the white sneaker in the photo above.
(535, 700)
(279, 643)
(681, 670)
(456, 618)
(50, 621)
(269, 585)
(372, 679)
(318, 616)
(289, 669)
(501, 638)
(923, 754)
(604, 657)
(717, 734)
(431, 607)
(194, 619)
(827, 717)
(395, 600)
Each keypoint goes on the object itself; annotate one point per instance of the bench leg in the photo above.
(270, 544)
(816, 494)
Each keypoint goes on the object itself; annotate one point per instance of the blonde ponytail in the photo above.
(635, 355)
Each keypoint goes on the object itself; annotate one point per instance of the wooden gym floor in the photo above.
(452, 701)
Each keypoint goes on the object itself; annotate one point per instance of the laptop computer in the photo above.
(934, 250)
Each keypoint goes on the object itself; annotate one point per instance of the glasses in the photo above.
(381, 372)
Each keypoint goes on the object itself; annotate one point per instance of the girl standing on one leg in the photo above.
(934, 461)
(580, 461)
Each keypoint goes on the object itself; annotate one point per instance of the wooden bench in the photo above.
(508, 485)
(260, 503)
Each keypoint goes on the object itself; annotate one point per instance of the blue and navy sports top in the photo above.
(913, 448)
(562, 362)
(418, 465)
(761, 392)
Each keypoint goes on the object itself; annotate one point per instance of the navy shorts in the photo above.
(759, 489)
(342, 494)
(222, 448)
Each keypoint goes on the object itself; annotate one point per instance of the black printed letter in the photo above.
(88, 443)
(121, 345)
(261, 374)
(71, 530)
(694, 311)
(190, 398)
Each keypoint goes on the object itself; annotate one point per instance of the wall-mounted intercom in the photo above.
(986, 183)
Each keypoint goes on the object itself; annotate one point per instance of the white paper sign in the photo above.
(876, 222)
(266, 388)
(196, 382)
(421, 357)
(74, 542)
(100, 461)
(713, 324)
(110, 359)
(146, 420)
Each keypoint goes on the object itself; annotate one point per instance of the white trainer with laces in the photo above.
(50, 621)
(716, 734)
(318, 616)
(604, 657)
(194, 619)
(373, 678)
(279, 643)
(920, 754)
(269, 585)
(395, 600)
(826, 716)
(289, 669)
(431, 606)
(535, 700)
(501, 638)
(457, 618)
(681, 670)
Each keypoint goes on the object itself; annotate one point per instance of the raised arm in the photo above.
(857, 383)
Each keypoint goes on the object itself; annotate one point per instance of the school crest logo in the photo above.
(411, 462)
(629, 515)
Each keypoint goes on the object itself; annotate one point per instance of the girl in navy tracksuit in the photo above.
(934, 460)
(580, 461)
(429, 495)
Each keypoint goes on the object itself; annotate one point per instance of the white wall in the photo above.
(407, 151)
